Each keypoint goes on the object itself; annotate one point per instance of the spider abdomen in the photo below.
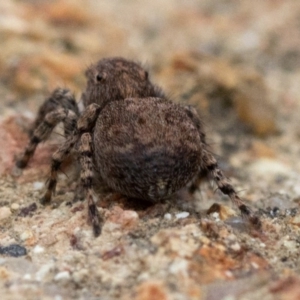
(147, 148)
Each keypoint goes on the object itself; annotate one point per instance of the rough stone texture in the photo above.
(238, 62)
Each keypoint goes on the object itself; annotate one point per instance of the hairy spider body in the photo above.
(141, 162)
(130, 137)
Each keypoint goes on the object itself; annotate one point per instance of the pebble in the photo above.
(38, 249)
(291, 245)
(265, 167)
(2, 261)
(254, 265)
(13, 250)
(220, 212)
(27, 276)
(296, 220)
(64, 275)
(168, 216)
(44, 271)
(120, 218)
(235, 247)
(25, 235)
(182, 215)
(25, 211)
(179, 266)
(4, 273)
(237, 223)
(15, 206)
(5, 213)
(229, 275)
(38, 185)
(80, 275)
(216, 216)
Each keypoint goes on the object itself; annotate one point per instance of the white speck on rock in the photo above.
(179, 266)
(237, 222)
(80, 275)
(235, 247)
(144, 276)
(28, 114)
(38, 185)
(4, 213)
(216, 216)
(64, 275)
(268, 167)
(168, 216)
(182, 215)
(15, 206)
(25, 235)
(44, 271)
(291, 245)
(229, 274)
(296, 189)
(38, 249)
(254, 265)
(27, 276)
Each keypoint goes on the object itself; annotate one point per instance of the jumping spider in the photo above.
(130, 136)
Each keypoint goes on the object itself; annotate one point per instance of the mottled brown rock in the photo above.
(151, 290)
(200, 79)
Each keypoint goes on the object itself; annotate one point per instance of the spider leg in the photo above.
(57, 159)
(85, 124)
(59, 98)
(42, 132)
(59, 107)
(86, 177)
(210, 166)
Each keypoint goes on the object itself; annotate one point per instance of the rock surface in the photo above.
(238, 63)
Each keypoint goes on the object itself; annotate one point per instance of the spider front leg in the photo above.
(59, 98)
(87, 178)
(85, 125)
(59, 107)
(81, 134)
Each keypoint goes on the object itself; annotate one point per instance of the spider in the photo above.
(130, 137)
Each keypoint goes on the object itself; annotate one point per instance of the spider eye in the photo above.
(99, 77)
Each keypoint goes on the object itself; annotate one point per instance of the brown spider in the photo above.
(130, 136)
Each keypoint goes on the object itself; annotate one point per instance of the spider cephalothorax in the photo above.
(116, 79)
(130, 136)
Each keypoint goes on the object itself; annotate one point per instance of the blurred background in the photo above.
(238, 63)
(50, 43)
